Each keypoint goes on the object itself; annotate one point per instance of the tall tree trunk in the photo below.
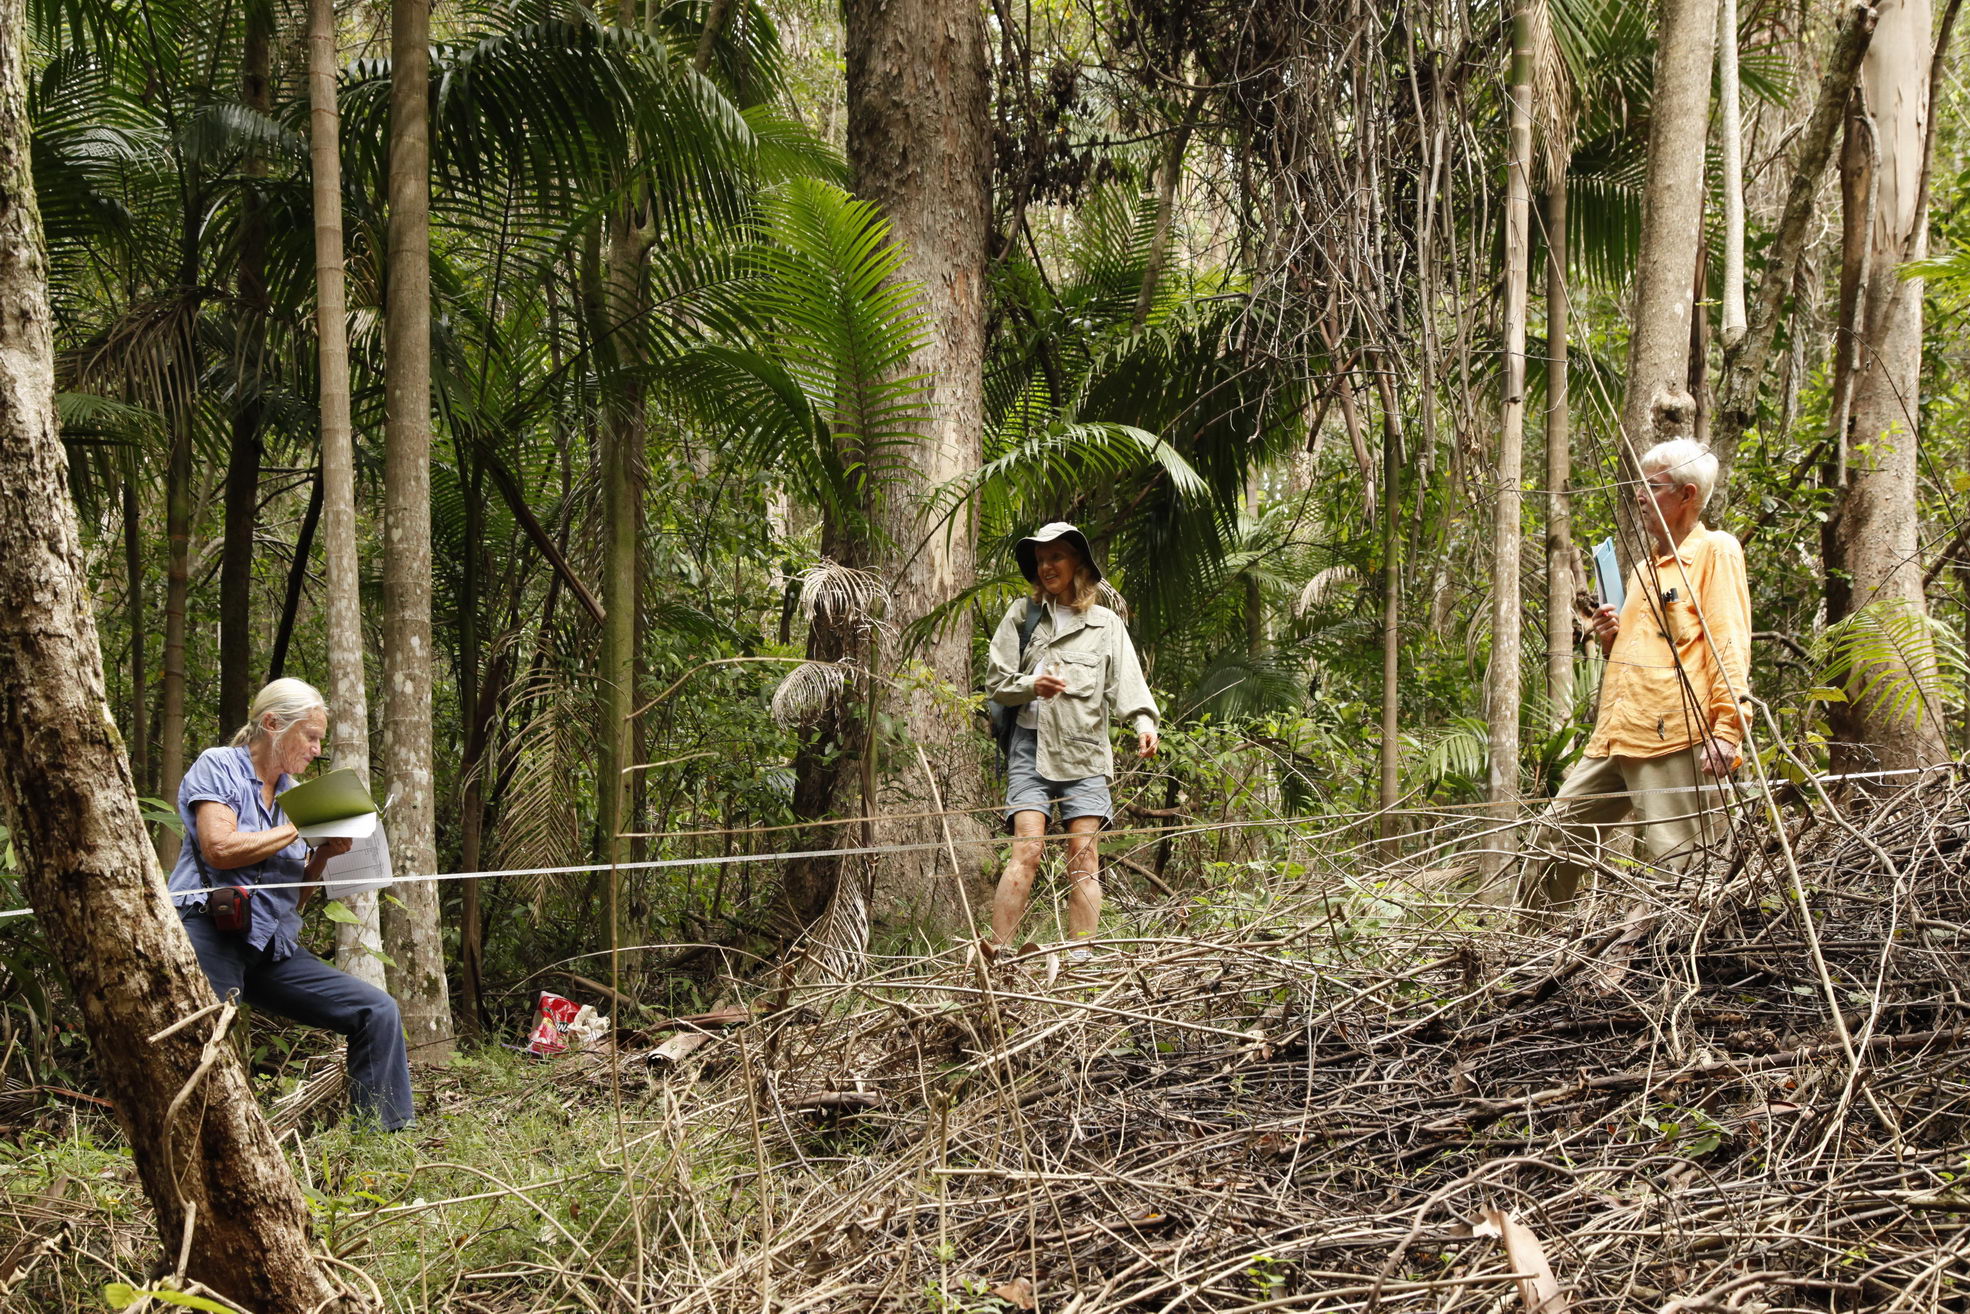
(1501, 683)
(622, 460)
(1744, 364)
(1873, 544)
(1560, 581)
(1389, 769)
(213, 1172)
(358, 943)
(1169, 174)
(411, 931)
(620, 304)
(249, 352)
(919, 144)
(1657, 404)
(471, 802)
(297, 580)
(133, 570)
(183, 400)
(1730, 130)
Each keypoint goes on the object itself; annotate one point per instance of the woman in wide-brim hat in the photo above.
(1066, 663)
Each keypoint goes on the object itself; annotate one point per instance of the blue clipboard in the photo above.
(1607, 575)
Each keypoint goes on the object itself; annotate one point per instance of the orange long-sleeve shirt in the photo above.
(1695, 615)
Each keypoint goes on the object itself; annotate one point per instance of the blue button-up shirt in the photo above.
(226, 775)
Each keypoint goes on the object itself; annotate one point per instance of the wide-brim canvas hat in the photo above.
(1027, 549)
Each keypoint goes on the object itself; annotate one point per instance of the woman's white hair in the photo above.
(287, 701)
(1689, 460)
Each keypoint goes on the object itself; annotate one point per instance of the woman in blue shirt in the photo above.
(236, 834)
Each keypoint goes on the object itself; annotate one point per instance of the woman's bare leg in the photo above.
(1016, 882)
(1083, 878)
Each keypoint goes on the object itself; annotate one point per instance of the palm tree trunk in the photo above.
(411, 931)
(470, 804)
(1390, 766)
(1657, 404)
(622, 460)
(177, 574)
(133, 570)
(1501, 684)
(1873, 543)
(630, 231)
(1730, 131)
(297, 580)
(249, 351)
(70, 805)
(358, 943)
(1560, 582)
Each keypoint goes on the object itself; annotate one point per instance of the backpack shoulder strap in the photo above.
(1027, 625)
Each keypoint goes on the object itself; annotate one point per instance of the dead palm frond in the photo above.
(838, 947)
(540, 820)
(808, 691)
(1324, 585)
(843, 596)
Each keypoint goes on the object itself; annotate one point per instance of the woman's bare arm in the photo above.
(226, 848)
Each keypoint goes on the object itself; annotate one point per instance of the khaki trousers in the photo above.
(1677, 808)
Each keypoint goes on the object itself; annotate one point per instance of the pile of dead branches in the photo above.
(1743, 1088)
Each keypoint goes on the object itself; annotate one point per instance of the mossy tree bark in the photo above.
(211, 1168)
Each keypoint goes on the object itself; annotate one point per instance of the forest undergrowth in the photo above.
(1341, 1084)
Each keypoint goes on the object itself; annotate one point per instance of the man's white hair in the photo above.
(1689, 460)
(287, 701)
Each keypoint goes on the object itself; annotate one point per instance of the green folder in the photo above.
(317, 806)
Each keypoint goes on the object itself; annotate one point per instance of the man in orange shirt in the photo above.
(1678, 660)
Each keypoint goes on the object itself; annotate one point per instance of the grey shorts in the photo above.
(1028, 791)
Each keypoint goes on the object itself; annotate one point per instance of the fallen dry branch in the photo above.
(1319, 1107)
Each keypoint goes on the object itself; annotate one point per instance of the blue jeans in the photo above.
(307, 990)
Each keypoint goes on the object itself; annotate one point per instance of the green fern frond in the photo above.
(1894, 659)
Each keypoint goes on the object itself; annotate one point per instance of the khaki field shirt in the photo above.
(1689, 610)
(1104, 683)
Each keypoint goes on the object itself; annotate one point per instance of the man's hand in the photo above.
(1047, 686)
(1606, 626)
(1718, 757)
(1145, 743)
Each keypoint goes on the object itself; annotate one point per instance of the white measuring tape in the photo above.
(862, 851)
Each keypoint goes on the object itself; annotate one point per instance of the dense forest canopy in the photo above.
(626, 414)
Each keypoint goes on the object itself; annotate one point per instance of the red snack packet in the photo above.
(551, 1019)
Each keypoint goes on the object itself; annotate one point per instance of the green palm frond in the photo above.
(85, 416)
(1046, 470)
(570, 111)
(1894, 659)
(849, 321)
(1460, 751)
(826, 397)
(1237, 684)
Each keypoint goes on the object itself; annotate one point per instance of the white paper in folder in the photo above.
(365, 867)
